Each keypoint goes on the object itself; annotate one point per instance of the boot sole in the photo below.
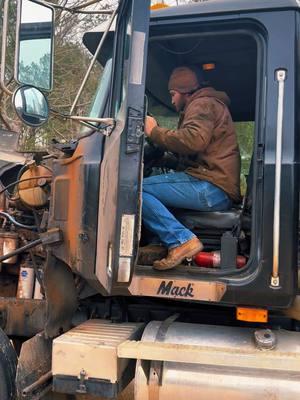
(188, 255)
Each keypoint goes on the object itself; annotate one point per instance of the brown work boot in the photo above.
(178, 254)
(150, 253)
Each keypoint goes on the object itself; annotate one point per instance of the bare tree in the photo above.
(71, 63)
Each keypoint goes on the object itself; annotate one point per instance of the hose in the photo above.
(12, 220)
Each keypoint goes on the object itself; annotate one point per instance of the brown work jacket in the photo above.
(205, 141)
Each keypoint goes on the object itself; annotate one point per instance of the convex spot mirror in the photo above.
(31, 105)
(34, 44)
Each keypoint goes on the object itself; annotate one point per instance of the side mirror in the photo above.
(31, 105)
(34, 44)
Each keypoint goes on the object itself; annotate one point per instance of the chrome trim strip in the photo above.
(280, 78)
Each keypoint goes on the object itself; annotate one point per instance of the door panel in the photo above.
(120, 176)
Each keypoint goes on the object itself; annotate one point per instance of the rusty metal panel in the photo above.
(61, 296)
(33, 363)
(109, 177)
(22, 317)
(74, 207)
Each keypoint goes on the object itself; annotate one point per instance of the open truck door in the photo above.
(120, 170)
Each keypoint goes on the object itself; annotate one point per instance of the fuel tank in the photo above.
(189, 361)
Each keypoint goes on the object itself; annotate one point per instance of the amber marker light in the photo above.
(158, 6)
(208, 66)
(251, 314)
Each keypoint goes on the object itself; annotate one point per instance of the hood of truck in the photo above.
(8, 150)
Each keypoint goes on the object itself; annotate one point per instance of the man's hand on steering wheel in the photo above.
(150, 123)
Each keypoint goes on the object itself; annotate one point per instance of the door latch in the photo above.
(135, 130)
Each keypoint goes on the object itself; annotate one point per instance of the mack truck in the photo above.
(82, 311)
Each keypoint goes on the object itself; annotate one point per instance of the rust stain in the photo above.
(71, 173)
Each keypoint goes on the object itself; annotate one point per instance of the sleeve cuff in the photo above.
(157, 135)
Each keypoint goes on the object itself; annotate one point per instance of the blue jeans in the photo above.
(178, 190)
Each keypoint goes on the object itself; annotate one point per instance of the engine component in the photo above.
(16, 223)
(8, 243)
(8, 366)
(213, 260)
(3, 202)
(26, 281)
(20, 250)
(34, 192)
(37, 290)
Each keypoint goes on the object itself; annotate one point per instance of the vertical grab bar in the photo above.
(280, 78)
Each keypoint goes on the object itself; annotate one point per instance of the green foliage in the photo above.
(36, 73)
(245, 135)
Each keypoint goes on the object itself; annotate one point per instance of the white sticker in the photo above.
(126, 237)
(137, 57)
(124, 269)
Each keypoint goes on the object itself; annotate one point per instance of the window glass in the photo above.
(245, 134)
(99, 102)
(122, 62)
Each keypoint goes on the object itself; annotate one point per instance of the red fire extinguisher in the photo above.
(213, 260)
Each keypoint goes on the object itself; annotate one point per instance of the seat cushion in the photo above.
(224, 220)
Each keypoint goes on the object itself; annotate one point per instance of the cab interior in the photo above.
(229, 60)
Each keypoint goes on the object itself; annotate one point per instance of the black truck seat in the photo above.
(223, 220)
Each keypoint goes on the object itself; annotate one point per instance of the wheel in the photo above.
(8, 368)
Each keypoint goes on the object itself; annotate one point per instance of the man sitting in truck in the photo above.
(205, 144)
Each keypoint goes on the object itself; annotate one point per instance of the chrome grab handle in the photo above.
(280, 78)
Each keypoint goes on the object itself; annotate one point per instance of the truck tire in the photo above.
(8, 368)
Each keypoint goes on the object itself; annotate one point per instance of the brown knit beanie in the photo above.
(184, 80)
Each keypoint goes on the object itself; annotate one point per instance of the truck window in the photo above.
(100, 98)
(121, 64)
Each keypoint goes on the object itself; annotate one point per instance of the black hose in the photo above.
(12, 220)
(24, 180)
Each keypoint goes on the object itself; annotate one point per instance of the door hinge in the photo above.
(260, 161)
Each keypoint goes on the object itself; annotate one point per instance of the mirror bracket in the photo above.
(107, 123)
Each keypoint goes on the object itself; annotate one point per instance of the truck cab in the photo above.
(196, 330)
(240, 47)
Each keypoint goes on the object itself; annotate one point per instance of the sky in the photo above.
(32, 12)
